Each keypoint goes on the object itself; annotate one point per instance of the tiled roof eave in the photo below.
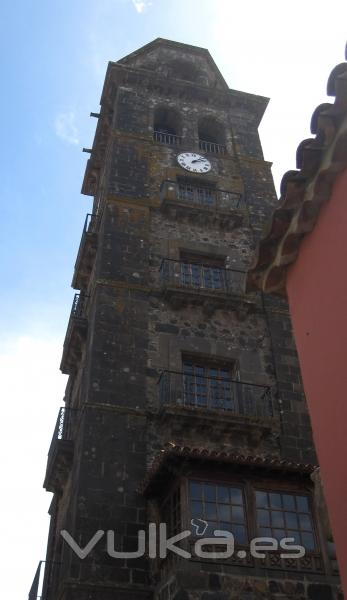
(304, 192)
(172, 452)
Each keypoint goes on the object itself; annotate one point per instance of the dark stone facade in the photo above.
(138, 326)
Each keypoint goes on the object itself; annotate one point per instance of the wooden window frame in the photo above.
(248, 486)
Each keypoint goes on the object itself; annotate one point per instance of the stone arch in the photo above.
(212, 131)
(167, 120)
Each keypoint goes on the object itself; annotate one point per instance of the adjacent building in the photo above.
(304, 255)
(184, 405)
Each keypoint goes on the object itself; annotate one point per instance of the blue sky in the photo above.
(54, 57)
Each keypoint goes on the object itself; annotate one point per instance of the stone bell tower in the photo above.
(184, 404)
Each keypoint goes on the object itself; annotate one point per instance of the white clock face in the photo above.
(194, 162)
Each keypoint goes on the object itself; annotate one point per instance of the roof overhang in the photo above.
(303, 192)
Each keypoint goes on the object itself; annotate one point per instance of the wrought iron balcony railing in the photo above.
(45, 580)
(166, 138)
(36, 587)
(235, 397)
(86, 252)
(200, 277)
(76, 331)
(209, 198)
(78, 306)
(64, 426)
(61, 449)
(211, 147)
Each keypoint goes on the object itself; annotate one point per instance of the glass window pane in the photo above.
(278, 534)
(236, 496)
(261, 499)
(264, 532)
(226, 526)
(302, 504)
(195, 490)
(224, 512)
(295, 535)
(288, 502)
(223, 493)
(277, 519)
(210, 510)
(210, 493)
(291, 520)
(238, 515)
(239, 532)
(263, 517)
(197, 509)
(308, 541)
(305, 522)
(212, 525)
(275, 500)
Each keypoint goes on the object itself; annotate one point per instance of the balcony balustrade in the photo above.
(180, 389)
(212, 148)
(35, 592)
(44, 585)
(201, 278)
(86, 253)
(203, 203)
(167, 138)
(61, 449)
(75, 334)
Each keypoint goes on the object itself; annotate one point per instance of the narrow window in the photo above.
(194, 192)
(209, 386)
(205, 272)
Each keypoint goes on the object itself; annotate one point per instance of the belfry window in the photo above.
(166, 126)
(211, 136)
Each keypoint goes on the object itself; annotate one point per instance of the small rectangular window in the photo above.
(209, 385)
(204, 272)
(193, 192)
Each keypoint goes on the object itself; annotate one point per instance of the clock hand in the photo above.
(197, 160)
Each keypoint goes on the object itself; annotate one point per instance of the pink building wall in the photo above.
(317, 292)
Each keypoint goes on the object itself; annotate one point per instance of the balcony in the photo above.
(61, 450)
(167, 138)
(45, 581)
(246, 400)
(75, 335)
(86, 253)
(36, 592)
(212, 148)
(218, 406)
(213, 287)
(205, 205)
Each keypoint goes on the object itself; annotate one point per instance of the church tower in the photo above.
(184, 404)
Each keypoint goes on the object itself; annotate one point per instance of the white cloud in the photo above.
(141, 5)
(32, 390)
(65, 127)
(285, 59)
